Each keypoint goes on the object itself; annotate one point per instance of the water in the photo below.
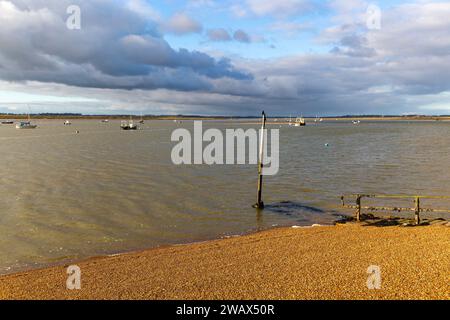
(66, 196)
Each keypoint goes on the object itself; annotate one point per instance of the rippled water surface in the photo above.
(69, 196)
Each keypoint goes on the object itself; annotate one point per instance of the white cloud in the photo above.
(181, 23)
(238, 11)
(143, 8)
(278, 7)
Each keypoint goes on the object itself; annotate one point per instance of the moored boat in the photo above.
(25, 125)
(300, 122)
(128, 125)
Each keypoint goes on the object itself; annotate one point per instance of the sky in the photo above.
(228, 57)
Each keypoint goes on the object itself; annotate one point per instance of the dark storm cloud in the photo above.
(115, 48)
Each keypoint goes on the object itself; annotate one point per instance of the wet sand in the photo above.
(288, 263)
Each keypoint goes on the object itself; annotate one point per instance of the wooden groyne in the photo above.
(417, 209)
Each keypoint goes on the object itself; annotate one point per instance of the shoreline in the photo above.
(66, 261)
(247, 266)
(281, 119)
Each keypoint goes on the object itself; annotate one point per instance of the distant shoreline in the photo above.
(194, 117)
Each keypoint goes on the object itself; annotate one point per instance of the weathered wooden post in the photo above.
(417, 210)
(259, 203)
(358, 209)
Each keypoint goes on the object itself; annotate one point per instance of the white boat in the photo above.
(300, 122)
(67, 123)
(356, 121)
(128, 125)
(290, 121)
(105, 121)
(317, 119)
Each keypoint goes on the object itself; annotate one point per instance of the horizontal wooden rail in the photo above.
(417, 208)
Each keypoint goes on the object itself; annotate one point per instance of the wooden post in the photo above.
(259, 203)
(358, 210)
(417, 210)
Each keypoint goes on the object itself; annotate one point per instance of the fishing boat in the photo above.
(67, 123)
(356, 121)
(26, 124)
(300, 122)
(128, 125)
(7, 122)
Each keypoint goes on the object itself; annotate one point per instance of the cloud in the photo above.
(404, 67)
(35, 45)
(238, 11)
(355, 46)
(278, 8)
(218, 34)
(181, 23)
(143, 8)
(289, 27)
(241, 36)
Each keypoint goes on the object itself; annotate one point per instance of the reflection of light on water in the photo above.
(105, 190)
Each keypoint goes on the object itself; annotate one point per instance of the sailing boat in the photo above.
(26, 124)
(142, 120)
(290, 121)
(317, 119)
(128, 125)
(300, 122)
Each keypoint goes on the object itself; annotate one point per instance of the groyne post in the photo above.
(358, 209)
(417, 210)
(259, 203)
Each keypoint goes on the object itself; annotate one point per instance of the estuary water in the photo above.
(67, 196)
